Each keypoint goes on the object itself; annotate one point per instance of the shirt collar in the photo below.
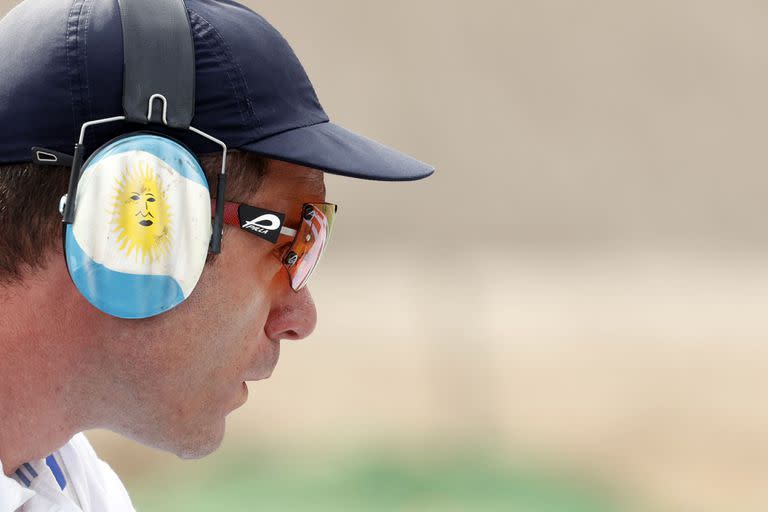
(12, 494)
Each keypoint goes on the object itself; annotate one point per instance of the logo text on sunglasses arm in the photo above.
(263, 224)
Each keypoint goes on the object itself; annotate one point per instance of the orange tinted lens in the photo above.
(311, 239)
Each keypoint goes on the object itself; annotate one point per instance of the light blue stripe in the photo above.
(116, 292)
(171, 152)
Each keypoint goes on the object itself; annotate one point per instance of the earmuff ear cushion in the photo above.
(142, 226)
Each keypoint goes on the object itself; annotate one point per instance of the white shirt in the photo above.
(71, 479)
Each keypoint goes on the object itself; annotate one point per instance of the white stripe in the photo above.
(189, 205)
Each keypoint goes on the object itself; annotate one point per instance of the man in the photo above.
(167, 380)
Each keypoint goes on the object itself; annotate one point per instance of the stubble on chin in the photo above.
(197, 444)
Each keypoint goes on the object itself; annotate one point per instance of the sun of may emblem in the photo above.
(140, 214)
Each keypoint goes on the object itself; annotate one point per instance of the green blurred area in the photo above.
(372, 481)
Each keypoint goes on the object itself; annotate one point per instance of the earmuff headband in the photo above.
(158, 62)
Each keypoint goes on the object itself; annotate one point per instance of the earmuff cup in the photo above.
(142, 226)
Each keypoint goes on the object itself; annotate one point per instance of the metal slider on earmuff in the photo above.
(68, 201)
(218, 220)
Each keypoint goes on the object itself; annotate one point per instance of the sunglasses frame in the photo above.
(288, 257)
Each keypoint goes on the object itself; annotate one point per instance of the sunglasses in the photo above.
(310, 237)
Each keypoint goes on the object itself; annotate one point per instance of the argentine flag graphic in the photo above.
(142, 226)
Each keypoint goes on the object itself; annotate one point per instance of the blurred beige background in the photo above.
(585, 278)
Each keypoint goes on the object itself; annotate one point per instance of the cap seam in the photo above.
(284, 131)
(70, 67)
(78, 70)
(239, 80)
(87, 81)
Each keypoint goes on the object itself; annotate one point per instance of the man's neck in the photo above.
(41, 379)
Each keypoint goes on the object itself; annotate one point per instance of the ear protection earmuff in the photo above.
(137, 214)
(142, 226)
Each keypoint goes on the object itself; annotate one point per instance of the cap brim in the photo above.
(334, 149)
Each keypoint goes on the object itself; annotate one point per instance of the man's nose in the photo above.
(293, 318)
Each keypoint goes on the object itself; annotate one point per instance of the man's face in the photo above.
(182, 372)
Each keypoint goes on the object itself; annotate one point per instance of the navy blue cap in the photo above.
(62, 65)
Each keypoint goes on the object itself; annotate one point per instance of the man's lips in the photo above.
(258, 376)
(266, 363)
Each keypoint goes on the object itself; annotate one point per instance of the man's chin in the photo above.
(197, 445)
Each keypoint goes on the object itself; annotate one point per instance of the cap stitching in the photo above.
(237, 82)
(78, 77)
(85, 60)
(225, 50)
(208, 44)
(307, 125)
(70, 68)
